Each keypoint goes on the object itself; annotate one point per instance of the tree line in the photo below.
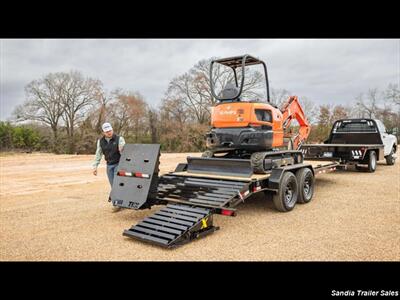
(63, 112)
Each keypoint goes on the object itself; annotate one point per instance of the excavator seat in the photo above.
(230, 92)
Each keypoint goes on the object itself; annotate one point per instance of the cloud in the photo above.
(325, 71)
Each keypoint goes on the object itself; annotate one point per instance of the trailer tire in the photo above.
(390, 160)
(372, 161)
(287, 195)
(305, 180)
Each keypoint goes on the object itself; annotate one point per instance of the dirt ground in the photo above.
(53, 208)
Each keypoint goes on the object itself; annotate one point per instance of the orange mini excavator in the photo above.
(253, 129)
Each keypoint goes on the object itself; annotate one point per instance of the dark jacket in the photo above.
(110, 149)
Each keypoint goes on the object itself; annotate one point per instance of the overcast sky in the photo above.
(325, 71)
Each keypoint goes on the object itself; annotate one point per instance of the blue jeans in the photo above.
(111, 172)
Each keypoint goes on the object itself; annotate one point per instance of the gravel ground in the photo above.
(53, 208)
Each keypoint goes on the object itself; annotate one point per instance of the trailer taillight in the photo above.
(227, 212)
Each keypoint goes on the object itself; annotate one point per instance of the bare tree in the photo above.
(78, 96)
(153, 124)
(279, 96)
(392, 93)
(192, 89)
(310, 109)
(390, 113)
(339, 112)
(128, 113)
(369, 107)
(43, 103)
(101, 109)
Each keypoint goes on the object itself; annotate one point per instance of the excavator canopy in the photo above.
(233, 92)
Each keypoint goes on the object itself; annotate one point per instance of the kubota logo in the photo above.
(227, 112)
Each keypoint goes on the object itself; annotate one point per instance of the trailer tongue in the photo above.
(196, 191)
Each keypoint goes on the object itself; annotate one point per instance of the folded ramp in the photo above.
(135, 185)
(173, 225)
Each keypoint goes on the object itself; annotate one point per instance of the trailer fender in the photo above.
(276, 175)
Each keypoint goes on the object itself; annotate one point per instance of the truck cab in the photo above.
(389, 140)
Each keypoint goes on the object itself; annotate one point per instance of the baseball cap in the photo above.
(106, 127)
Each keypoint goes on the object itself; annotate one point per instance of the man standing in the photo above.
(111, 145)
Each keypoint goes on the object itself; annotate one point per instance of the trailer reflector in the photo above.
(132, 174)
(256, 188)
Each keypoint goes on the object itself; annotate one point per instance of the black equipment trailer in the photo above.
(200, 188)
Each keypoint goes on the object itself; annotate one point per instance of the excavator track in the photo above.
(257, 162)
(263, 162)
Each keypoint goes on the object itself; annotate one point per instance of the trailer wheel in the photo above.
(390, 160)
(287, 195)
(305, 180)
(372, 161)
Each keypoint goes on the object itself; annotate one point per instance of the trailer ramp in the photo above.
(173, 225)
(207, 192)
(189, 215)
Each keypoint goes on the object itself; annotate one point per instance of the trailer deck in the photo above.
(316, 164)
(192, 198)
(344, 153)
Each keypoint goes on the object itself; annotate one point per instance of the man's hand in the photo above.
(95, 172)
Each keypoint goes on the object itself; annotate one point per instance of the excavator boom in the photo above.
(292, 110)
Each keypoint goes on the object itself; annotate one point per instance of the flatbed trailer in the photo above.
(193, 196)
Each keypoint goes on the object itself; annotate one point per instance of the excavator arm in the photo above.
(292, 110)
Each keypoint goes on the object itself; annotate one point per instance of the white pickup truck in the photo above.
(356, 141)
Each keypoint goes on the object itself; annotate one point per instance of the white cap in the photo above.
(106, 127)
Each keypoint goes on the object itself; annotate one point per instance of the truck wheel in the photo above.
(305, 180)
(390, 160)
(372, 161)
(287, 195)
